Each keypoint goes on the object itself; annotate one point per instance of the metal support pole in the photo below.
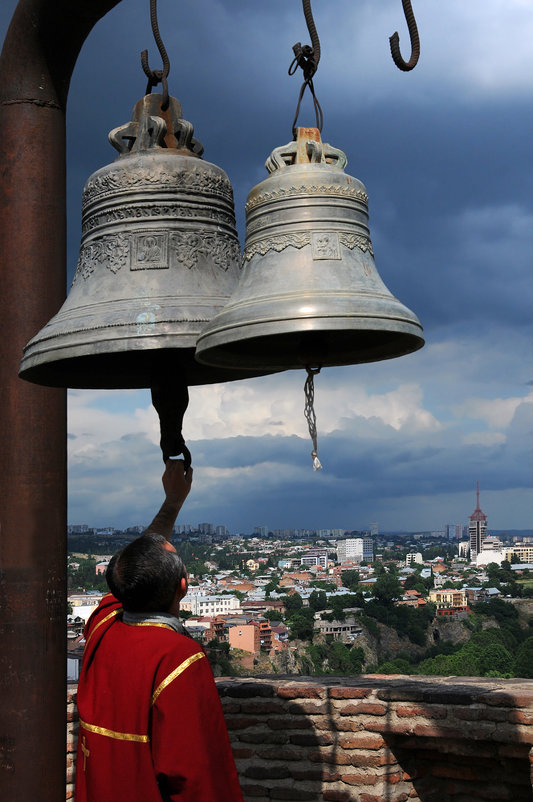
(36, 64)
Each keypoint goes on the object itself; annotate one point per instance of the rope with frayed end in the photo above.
(309, 412)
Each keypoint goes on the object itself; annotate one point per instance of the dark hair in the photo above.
(144, 576)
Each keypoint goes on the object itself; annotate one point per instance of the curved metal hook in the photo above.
(156, 76)
(394, 41)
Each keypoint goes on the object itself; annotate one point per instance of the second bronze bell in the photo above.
(309, 293)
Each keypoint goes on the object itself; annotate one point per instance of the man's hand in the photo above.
(176, 481)
(177, 484)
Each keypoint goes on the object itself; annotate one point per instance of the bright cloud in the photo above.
(497, 413)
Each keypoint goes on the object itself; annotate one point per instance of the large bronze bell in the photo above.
(159, 257)
(309, 293)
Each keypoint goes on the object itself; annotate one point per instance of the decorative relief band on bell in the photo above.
(218, 248)
(323, 243)
(352, 241)
(197, 182)
(167, 211)
(113, 251)
(316, 191)
(156, 250)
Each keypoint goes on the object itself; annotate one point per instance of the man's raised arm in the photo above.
(177, 484)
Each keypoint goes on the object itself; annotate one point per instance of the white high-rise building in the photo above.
(350, 550)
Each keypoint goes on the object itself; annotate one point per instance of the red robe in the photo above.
(151, 722)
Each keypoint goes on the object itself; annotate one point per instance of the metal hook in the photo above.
(155, 76)
(394, 41)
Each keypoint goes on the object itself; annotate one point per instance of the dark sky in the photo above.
(445, 155)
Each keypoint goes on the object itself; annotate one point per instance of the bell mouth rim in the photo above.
(127, 369)
(268, 348)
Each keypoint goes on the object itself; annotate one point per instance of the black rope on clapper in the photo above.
(309, 412)
(394, 41)
(156, 76)
(307, 58)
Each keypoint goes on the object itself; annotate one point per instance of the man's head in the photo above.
(146, 575)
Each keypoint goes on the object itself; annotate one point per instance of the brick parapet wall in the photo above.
(375, 738)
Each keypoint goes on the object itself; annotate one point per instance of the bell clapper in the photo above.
(309, 412)
(170, 398)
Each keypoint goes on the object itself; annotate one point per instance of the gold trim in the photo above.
(103, 621)
(174, 674)
(148, 624)
(118, 736)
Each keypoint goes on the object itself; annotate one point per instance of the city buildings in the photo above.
(316, 557)
(356, 549)
(453, 531)
(477, 530)
(522, 551)
(449, 602)
(207, 605)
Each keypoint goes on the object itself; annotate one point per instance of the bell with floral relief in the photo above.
(159, 257)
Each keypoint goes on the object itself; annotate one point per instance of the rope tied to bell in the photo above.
(309, 412)
(307, 57)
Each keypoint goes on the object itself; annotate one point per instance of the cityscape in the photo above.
(456, 601)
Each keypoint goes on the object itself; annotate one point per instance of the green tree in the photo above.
(273, 615)
(318, 600)
(411, 581)
(523, 664)
(272, 586)
(339, 659)
(292, 602)
(495, 660)
(397, 666)
(434, 666)
(350, 579)
(301, 625)
(464, 663)
(386, 589)
(323, 584)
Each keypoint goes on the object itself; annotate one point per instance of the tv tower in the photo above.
(477, 529)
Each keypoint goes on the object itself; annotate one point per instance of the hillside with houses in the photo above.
(345, 605)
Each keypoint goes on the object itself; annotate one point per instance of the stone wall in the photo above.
(376, 738)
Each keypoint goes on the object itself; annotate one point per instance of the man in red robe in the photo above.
(151, 722)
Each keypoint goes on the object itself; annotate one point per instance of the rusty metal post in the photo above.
(36, 64)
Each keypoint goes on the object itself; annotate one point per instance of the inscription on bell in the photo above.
(150, 251)
(325, 246)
